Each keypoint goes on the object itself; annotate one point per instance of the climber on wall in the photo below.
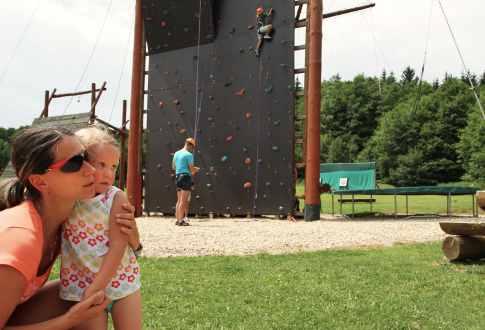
(264, 27)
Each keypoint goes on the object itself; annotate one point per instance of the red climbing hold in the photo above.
(163, 24)
(247, 185)
(229, 138)
(160, 104)
(248, 115)
(247, 161)
(241, 92)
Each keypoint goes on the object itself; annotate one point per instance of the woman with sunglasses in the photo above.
(52, 175)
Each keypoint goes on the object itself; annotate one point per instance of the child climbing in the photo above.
(264, 27)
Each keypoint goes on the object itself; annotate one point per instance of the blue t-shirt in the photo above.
(182, 160)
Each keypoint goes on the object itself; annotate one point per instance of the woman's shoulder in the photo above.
(21, 216)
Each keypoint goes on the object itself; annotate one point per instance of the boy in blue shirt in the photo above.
(183, 164)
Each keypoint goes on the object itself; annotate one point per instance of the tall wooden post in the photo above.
(122, 174)
(93, 100)
(133, 177)
(312, 169)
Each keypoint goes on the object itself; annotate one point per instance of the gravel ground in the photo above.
(242, 236)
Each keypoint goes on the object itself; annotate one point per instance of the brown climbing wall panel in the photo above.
(245, 127)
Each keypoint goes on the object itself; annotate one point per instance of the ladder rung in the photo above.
(300, 2)
(299, 47)
(300, 93)
(299, 70)
(300, 23)
(300, 165)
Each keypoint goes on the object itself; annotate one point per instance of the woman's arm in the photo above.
(12, 287)
(117, 246)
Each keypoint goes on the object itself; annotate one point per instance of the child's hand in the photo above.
(128, 226)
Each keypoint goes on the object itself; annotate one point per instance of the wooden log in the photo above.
(462, 228)
(458, 248)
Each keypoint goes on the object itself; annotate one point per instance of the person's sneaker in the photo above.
(185, 219)
(267, 37)
(184, 223)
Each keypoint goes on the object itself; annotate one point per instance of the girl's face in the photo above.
(73, 185)
(105, 159)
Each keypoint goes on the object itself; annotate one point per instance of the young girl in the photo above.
(95, 254)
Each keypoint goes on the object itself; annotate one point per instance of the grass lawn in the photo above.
(401, 287)
(424, 204)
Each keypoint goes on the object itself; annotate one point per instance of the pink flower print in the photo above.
(90, 230)
(128, 269)
(73, 278)
(65, 271)
(136, 270)
(131, 278)
(115, 284)
(75, 240)
(80, 273)
(83, 235)
(65, 283)
(74, 267)
(67, 232)
(89, 280)
(122, 277)
(100, 238)
(82, 224)
(99, 226)
(81, 284)
(92, 242)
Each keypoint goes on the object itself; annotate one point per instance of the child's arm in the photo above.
(117, 246)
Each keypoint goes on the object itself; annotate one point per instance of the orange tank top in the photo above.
(21, 243)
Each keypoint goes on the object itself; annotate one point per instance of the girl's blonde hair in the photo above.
(93, 135)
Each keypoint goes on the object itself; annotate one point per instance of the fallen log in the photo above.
(458, 248)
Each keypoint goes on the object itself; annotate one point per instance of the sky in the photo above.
(47, 44)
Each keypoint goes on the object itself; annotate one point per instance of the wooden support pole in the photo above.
(93, 100)
(45, 113)
(133, 176)
(122, 174)
(312, 170)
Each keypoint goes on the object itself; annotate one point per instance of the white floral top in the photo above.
(85, 241)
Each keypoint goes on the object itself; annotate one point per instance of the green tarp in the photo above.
(348, 176)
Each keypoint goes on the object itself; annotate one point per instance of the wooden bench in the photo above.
(357, 200)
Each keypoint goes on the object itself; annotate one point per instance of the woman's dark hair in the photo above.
(32, 153)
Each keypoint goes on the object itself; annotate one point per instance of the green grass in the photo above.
(424, 204)
(402, 287)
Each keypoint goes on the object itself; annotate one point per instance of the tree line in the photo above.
(417, 132)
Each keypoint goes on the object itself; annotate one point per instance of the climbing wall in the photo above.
(245, 110)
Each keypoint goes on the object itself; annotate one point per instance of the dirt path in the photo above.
(248, 236)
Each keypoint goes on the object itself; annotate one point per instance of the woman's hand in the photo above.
(87, 309)
(128, 225)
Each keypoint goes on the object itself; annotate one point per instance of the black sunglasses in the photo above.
(70, 165)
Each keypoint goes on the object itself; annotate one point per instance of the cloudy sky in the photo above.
(48, 44)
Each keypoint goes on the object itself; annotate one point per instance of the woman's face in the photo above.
(71, 186)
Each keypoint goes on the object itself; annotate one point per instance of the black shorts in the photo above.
(183, 181)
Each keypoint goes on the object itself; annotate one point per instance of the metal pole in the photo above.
(133, 177)
(312, 170)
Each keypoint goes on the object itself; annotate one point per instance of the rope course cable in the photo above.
(23, 34)
(93, 50)
(462, 60)
(197, 76)
(425, 56)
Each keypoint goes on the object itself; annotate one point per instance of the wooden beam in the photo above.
(302, 23)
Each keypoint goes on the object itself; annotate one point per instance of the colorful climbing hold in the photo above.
(229, 138)
(241, 92)
(247, 185)
(160, 104)
(176, 102)
(248, 115)
(247, 161)
(224, 158)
